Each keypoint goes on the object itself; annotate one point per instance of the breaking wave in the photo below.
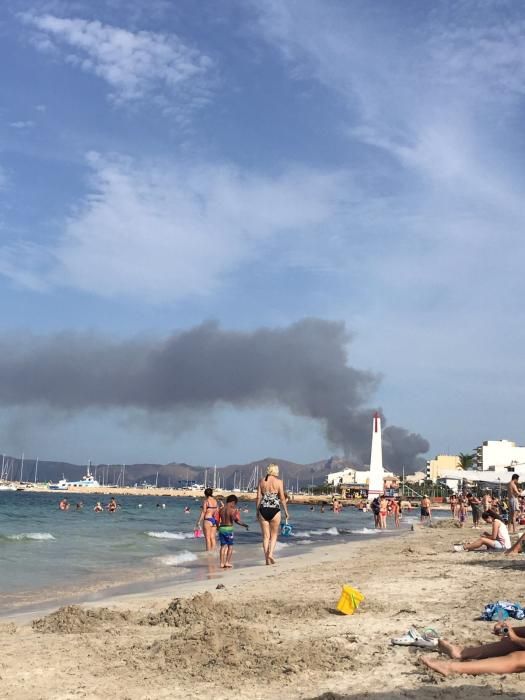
(178, 559)
(31, 536)
(303, 534)
(165, 535)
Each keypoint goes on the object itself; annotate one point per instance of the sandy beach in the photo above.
(271, 632)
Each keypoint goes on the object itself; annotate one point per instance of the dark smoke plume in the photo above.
(303, 367)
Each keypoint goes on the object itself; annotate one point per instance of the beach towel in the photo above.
(501, 610)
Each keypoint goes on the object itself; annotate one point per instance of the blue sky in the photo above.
(257, 162)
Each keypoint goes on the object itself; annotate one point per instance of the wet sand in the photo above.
(273, 632)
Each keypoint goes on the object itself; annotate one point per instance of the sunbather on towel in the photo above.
(505, 656)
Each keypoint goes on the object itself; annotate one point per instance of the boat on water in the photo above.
(7, 487)
(64, 485)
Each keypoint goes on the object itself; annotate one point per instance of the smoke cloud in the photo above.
(303, 367)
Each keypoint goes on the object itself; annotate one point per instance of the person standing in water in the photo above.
(209, 518)
(270, 497)
(394, 507)
(229, 514)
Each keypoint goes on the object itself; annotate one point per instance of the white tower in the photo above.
(375, 481)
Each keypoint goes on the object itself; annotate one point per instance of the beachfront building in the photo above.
(499, 454)
(417, 478)
(440, 465)
(358, 479)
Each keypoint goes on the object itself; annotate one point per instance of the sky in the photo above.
(251, 164)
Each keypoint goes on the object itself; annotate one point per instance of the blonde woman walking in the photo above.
(270, 497)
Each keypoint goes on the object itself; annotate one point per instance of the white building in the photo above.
(354, 477)
(499, 454)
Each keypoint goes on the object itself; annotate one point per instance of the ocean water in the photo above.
(50, 555)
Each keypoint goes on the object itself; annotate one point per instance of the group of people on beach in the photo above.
(503, 516)
(507, 655)
(218, 518)
(383, 507)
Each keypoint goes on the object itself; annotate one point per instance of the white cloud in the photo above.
(163, 232)
(135, 65)
(28, 124)
(427, 93)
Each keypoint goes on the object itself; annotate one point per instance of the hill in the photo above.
(231, 476)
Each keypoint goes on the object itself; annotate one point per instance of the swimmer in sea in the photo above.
(64, 504)
(112, 505)
(98, 508)
(187, 509)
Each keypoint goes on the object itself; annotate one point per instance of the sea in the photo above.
(49, 556)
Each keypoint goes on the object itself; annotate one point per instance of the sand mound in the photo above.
(215, 636)
(212, 652)
(203, 610)
(447, 524)
(73, 619)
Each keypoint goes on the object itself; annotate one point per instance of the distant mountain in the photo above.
(176, 474)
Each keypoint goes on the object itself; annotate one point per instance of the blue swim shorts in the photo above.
(226, 536)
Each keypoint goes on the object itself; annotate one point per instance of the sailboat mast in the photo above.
(22, 467)
(36, 469)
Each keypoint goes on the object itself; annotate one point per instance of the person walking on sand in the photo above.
(453, 500)
(270, 496)
(229, 514)
(475, 505)
(505, 656)
(486, 501)
(209, 519)
(426, 510)
(514, 501)
(462, 511)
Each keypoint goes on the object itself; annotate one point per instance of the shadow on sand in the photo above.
(462, 692)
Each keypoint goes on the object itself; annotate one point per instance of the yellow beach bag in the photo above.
(349, 600)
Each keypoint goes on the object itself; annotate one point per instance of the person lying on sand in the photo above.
(505, 656)
(498, 538)
(517, 546)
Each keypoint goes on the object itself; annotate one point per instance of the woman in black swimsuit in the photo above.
(270, 496)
